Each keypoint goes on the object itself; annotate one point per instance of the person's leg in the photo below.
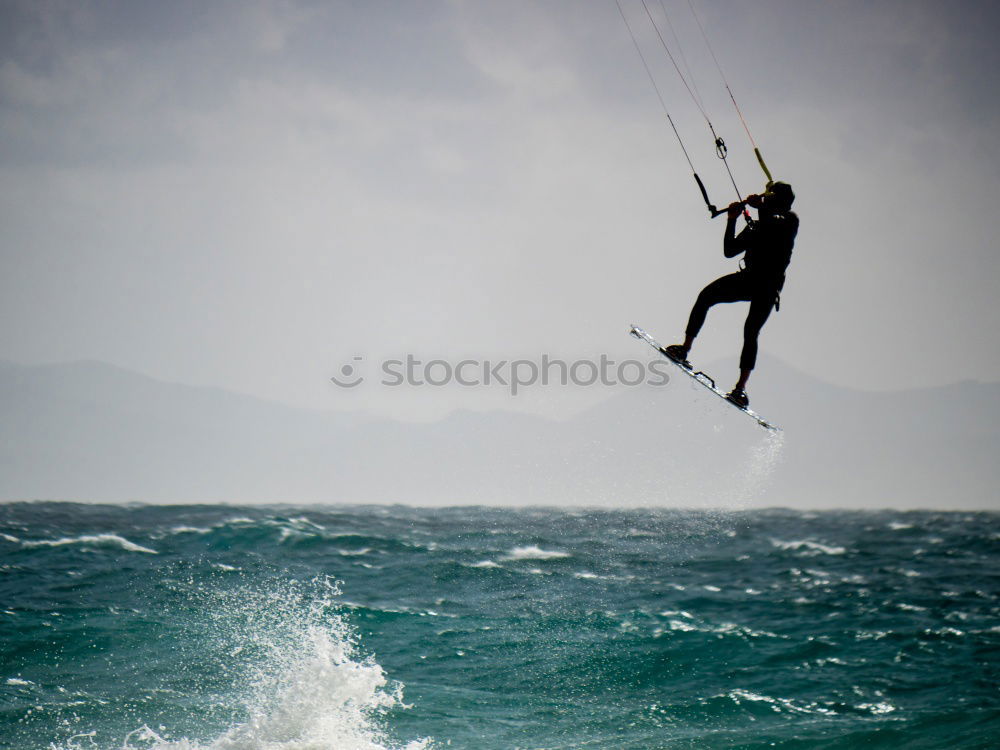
(731, 288)
(760, 309)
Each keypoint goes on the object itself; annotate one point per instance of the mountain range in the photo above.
(95, 432)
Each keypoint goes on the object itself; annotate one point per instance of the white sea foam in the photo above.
(189, 530)
(9, 538)
(778, 704)
(809, 546)
(534, 552)
(692, 625)
(682, 626)
(93, 540)
(305, 684)
(882, 707)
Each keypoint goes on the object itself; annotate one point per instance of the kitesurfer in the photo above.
(767, 244)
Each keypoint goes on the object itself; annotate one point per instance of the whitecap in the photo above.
(831, 660)
(684, 627)
(806, 544)
(779, 704)
(746, 695)
(237, 520)
(876, 708)
(303, 521)
(954, 632)
(533, 552)
(100, 540)
(189, 530)
(819, 576)
(872, 635)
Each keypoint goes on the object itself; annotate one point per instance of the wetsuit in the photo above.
(768, 246)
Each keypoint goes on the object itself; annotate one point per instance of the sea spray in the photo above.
(765, 455)
(297, 677)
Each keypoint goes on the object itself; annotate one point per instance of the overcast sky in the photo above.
(250, 194)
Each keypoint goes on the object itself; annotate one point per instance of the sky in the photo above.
(253, 194)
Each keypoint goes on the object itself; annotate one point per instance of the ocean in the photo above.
(227, 627)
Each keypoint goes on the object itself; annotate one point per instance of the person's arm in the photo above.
(733, 244)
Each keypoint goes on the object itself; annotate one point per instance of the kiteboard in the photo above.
(699, 377)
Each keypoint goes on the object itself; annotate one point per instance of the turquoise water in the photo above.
(283, 628)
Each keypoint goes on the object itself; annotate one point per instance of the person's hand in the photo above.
(755, 201)
(735, 209)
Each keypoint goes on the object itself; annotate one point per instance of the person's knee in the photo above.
(705, 299)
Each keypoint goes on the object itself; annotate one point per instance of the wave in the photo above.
(691, 624)
(305, 684)
(813, 547)
(94, 540)
(354, 552)
(533, 552)
(190, 530)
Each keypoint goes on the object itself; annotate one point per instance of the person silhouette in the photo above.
(767, 246)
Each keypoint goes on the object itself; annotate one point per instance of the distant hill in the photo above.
(91, 431)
